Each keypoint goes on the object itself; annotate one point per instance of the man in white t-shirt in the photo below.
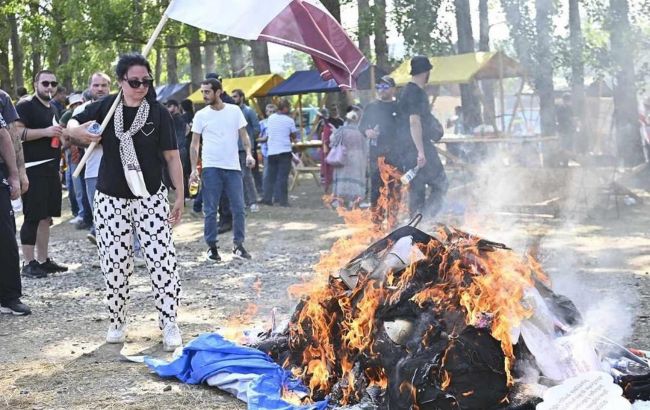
(99, 87)
(220, 125)
(281, 131)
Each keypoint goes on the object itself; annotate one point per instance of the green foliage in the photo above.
(419, 22)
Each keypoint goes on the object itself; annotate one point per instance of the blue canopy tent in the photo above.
(304, 82)
(173, 91)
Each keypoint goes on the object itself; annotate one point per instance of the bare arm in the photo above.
(194, 152)
(416, 134)
(246, 142)
(15, 129)
(33, 134)
(9, 156)
(173, 159)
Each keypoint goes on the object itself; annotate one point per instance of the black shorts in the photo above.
(43, 198)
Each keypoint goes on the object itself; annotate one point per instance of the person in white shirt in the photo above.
(281, 131)
(220, 125)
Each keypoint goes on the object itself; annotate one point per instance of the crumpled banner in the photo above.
(247, 373)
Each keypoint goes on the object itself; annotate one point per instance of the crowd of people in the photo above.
(147, 149)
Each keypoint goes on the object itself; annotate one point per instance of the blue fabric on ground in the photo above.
(210, 354)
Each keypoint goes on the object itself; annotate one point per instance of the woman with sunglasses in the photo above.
(131, 197)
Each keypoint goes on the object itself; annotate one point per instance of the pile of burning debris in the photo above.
(440, 320)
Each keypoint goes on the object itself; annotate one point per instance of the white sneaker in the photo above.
(75, 220)
(254, 208)
(171, 337)
(116, 335)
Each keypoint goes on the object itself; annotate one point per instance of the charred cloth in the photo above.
(418, 320)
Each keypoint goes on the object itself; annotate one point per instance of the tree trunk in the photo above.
(37, 59)
(260, 52)
(340, 99)
(196, 71)
(577, 73)
(17, 53)
(489, 110)
(210, 51)
(544, 64)
(64, 58)
(237, 64)
(172, 60)
(628, 140)
(5, 75)
(521, 29)
(364, 21)
(158, 66)
(381, 45)
(468, 92)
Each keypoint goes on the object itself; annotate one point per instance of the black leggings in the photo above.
(28, 232)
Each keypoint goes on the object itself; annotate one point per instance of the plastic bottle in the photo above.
(194, 187)
(409, 175)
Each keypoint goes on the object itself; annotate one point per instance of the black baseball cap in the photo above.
(420, 64)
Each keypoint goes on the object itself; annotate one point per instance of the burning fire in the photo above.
(337, 337)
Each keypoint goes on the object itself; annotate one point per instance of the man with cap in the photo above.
(418, 130)
(182, 129)
(378, 124)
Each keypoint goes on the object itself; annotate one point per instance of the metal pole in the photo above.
(145, 51)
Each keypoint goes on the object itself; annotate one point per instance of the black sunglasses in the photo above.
(147, 82)
(48, 83)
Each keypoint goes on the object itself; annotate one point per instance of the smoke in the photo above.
(559, 214)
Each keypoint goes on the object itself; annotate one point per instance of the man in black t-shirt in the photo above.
(10, 285)
(41, 138)
(378, 124)
(418, 130)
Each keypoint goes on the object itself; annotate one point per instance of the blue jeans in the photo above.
(85, 210)
(70, 185)
(216, 183)
(91, 187)
(276, 179)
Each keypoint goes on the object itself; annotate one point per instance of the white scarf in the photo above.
(132, 171)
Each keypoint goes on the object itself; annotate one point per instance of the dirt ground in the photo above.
(57, 358)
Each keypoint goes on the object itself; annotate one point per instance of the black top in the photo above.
(414, 101)
(35, 115)
(383, 115)
(336, 122)
(155, 136)
(179, 128)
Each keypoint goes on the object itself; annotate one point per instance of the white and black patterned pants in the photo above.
(115, 220)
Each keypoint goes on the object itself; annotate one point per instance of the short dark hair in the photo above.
(129, 60)
(283, 103)
(239, 92)
(213, 83)
(21, 91)
(37, 76)
(172, 102)
(60, 89)
(187, 105)
(101, 74)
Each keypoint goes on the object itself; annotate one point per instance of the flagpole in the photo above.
(145, 51)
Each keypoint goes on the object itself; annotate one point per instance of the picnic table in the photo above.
(303, 163)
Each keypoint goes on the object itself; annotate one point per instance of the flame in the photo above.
(476, 285)
(237, 324)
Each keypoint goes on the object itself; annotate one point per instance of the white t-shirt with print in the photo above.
(220, 133)
(279, 128)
